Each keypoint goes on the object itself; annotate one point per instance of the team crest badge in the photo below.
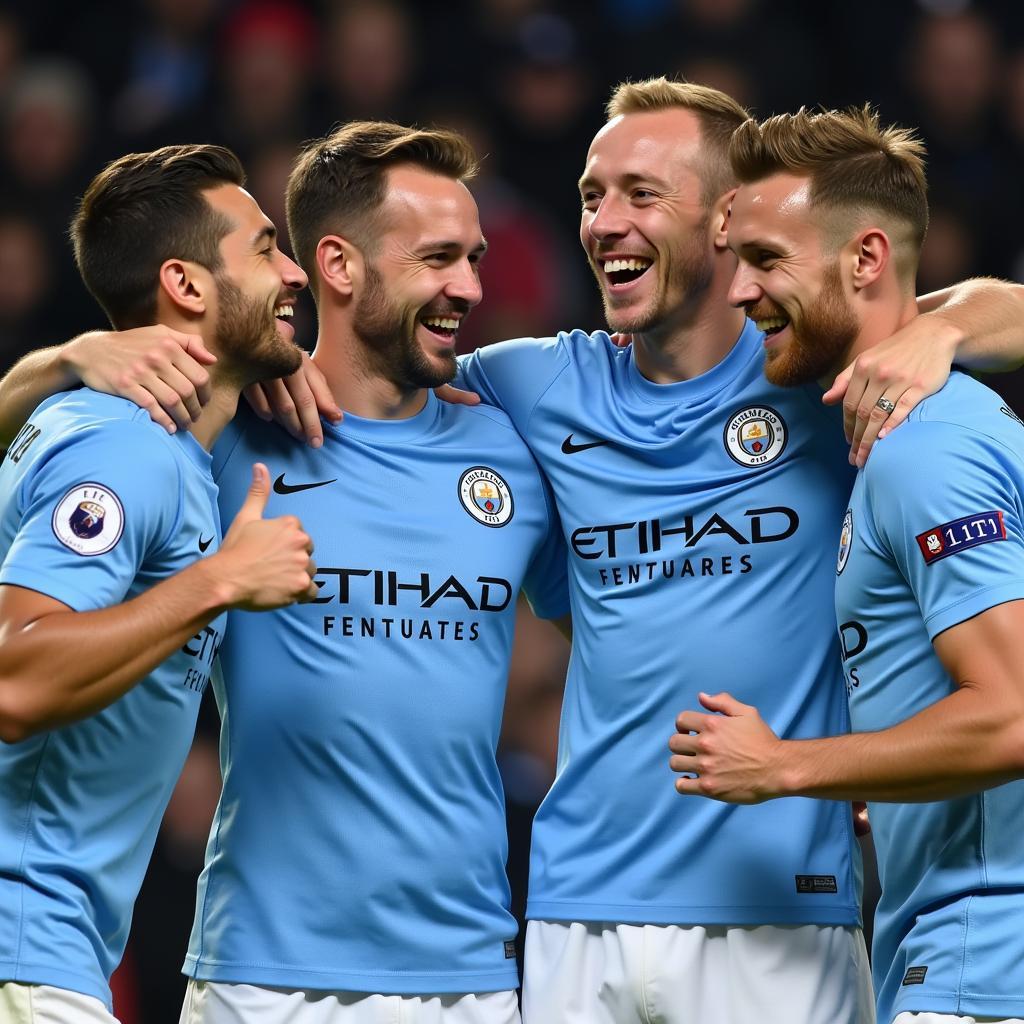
(845, 542)
(485, 496)
(89, 519)
(755, 436)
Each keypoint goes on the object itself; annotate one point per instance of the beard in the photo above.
(689, 274)
(389, 339)
(819, 340)
(247, 337)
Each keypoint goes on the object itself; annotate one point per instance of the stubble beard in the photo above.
(247, 337)
(389, 341)
(820, 340)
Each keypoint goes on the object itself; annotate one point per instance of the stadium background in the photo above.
(526, 79)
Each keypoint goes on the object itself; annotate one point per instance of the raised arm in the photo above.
(161, 370)
(971, 740)
(58, 665)
(978, 324)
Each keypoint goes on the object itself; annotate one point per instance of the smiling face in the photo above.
(645, 218)
(256, 286)
(422, 278)
(789, 281)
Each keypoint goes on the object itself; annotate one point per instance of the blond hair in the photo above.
(854, 165)
(718, 114)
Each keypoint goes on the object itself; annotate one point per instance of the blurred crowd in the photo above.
(526, 80)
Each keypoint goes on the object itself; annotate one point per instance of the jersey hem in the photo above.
(959, 1004)
(376, 982)
(43, 974)
(974, 604)
(624, 913)
(44, 583)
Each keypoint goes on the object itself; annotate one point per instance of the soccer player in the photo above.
(929, 596)
(697, 498)
(110, 615)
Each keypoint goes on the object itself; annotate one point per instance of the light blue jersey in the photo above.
(359, 843)
(699, 516)
(935, 535)
(97, 505)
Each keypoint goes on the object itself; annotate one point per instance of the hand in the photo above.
(297, 402)
(732, 754)
(159, 369)
(861, 824)
(456, 396)
(265, 563)
(905, 368)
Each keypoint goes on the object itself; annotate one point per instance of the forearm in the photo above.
(68, 665)
(959, 745)
(32, 379)
(983, 319)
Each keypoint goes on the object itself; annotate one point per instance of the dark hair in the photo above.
(142, 210)
(338, 182)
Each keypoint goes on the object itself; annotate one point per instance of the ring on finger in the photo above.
(885, 404)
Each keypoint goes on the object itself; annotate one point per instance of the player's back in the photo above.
(97, 504)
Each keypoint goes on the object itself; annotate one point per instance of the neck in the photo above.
(696, 337)
(219, 411)
(355, 386)
(883, 320)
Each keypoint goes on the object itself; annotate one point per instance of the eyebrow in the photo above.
(632, 178)
(267, 233)
(449, 246)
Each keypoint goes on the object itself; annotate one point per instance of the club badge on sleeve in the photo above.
(961, 534)
(89, 519)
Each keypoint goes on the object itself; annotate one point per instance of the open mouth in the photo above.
(444, 327)
(284, 312)
(772, 325)
(625, 271)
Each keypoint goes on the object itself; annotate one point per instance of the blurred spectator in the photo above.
(25, 278)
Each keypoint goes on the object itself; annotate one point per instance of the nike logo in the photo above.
(568, 448)
(280, 487)
(204, 544)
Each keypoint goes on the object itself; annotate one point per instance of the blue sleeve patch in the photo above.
(961, 534)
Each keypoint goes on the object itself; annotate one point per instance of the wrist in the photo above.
(220, 592)
(948, 336)
(71, 361)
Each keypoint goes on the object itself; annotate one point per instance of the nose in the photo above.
(464, 284)
(744, 289)
(608, 221)
(293, 276)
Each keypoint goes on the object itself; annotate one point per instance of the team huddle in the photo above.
(672, 492)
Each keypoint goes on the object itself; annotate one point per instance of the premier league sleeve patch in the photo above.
(89, 519)
(961, 534)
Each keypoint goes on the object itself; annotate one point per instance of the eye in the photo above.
(765, 257)
(590, 200)
(642, 194)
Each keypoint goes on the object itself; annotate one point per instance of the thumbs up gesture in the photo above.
(265, 562)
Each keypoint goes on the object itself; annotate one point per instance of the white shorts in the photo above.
(214, 1002)
(44, 1004)
(597, 973)
(947, 1018)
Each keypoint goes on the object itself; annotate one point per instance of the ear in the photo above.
(870, 252)
(184, 284)
(720, 219)
(339, 264)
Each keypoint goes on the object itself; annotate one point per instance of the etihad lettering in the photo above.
(650, 536)
(203, 647)
(385, 588)
(853, 638)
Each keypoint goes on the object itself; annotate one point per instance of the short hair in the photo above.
(142, 210)
(853, 164)
(339, 181)
(718, 114)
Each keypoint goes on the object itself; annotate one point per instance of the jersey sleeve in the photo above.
(92, 511)
(946, 504)
(513, 375)
(546, 584)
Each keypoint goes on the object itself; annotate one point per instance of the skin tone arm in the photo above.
(970, 740)
(58, 665)
(976, 324)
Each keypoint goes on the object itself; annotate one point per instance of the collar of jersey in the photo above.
(193, 450)
(408, 429)
(747, 346)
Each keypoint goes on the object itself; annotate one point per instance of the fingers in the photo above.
(145, 400)
(723, 703)
(621, 340)
(258, 402)
(193, 345)
(306, 415)
(837, 392)
(456, 396)
(256, 499)
(881, 422)
(321, 391)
